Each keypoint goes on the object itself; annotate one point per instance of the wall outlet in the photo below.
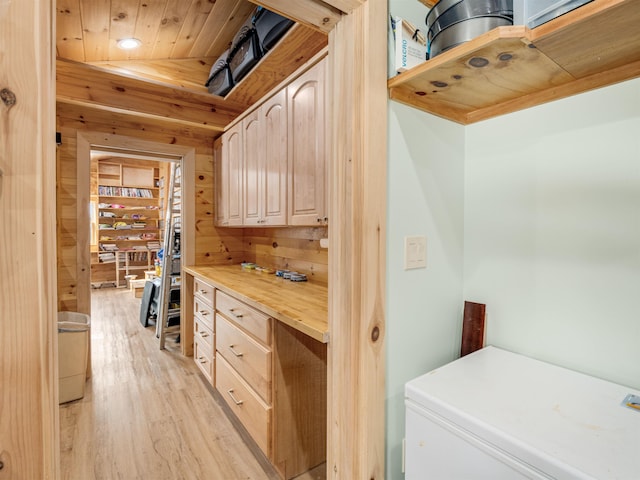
(324, 243)
(415, 252)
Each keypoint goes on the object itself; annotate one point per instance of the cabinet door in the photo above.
(274, 171)
(253, 161)
(222, 176)
(307, 161)
(233, 148)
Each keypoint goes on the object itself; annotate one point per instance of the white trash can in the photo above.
(73, 352)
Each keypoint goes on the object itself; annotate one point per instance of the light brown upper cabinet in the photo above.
(307, 158)
(229, 178)
(265, 163)
(271, 165)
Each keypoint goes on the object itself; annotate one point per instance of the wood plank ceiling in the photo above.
(181, 39)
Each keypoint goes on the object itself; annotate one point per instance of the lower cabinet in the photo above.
(250, 409)
(203, 329)
(272, 377)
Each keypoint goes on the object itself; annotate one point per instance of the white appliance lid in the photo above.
(553, 418)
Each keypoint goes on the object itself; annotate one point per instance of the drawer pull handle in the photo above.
(237, 354)
(204, 313)
(202, 292)
(235, 400)
(202, 360)
(237, 315)
(204, 334)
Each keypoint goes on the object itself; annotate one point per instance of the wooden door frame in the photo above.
(87, 141)
(357, 103)
(29, 436)
(356, 258)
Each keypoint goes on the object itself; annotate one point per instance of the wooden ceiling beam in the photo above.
(141, 117)
(315, 14)
(345, 6)
(94, 86)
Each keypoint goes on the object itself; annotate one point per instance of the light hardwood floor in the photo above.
(147, 413)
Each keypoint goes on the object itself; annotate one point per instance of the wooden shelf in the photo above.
(513, 68)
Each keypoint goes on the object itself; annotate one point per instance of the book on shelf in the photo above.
(153, 245)
(107, 257)
(108, 247)
(109, 191)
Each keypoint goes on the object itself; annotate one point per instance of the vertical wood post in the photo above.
(29, 445)
(357, 100)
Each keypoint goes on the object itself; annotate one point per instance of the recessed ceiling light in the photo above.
(129, 43)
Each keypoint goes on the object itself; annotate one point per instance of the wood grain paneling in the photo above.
(73, 120)
(312, 13)
(95, 86)
(29, 443)
(290, 248)
(357, 214)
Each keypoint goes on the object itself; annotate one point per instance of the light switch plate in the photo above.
(415, 252)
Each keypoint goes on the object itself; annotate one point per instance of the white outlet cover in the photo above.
(415, 252)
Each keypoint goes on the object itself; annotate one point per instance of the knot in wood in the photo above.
(8, 97)
(375, 334)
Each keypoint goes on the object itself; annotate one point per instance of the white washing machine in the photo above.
(497, 415)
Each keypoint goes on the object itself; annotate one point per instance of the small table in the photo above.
(137, 287)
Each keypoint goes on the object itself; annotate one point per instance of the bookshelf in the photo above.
(129, 212)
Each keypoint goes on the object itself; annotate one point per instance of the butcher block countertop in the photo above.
(301, 305)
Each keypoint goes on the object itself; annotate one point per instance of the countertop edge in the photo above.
(318, 335)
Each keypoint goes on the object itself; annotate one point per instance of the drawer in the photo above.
(204, 312)
(204, 333)
(253, 321)
(248, 357)
(203, 290)
(203, 356)
(252, 412)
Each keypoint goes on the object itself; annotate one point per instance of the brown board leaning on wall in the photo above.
(472, 327)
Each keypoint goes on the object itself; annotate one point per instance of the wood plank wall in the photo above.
(297, 248)
(211, 247)
(289, 248)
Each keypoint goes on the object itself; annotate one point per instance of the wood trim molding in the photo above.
(357, 222)
(346, 6)
(161, 151)
(29, 436)
(314, 14)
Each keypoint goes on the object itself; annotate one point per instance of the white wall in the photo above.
(424, 306)
(552, 231)
(425, 188)
(536, 214)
